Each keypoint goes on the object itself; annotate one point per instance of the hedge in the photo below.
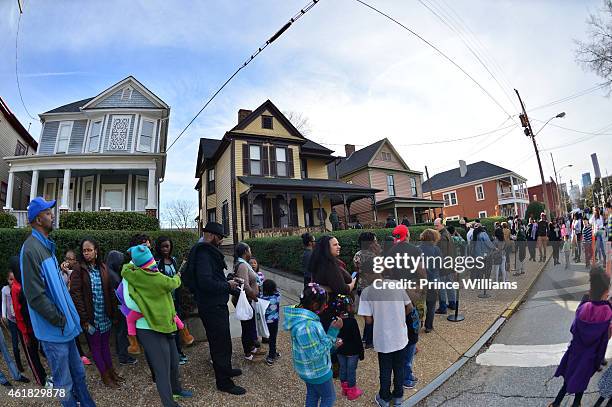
(108, 221)
(285, 253)
(12, 239)
(7, 220)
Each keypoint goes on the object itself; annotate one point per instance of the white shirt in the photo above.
(388, 308)
(7, 304)
(469, 234)
(596, 223)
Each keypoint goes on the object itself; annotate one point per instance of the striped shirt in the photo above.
(587, 233)
(101, 320)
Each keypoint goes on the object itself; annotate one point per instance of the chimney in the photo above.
(462, 168)
(349, 149)
(242, 113)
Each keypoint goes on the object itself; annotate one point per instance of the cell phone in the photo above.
(354, 275)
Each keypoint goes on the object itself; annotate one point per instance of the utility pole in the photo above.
(529, 133)
(558, 188)
(430, 193)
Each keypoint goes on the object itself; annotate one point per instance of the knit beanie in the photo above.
(142, 257)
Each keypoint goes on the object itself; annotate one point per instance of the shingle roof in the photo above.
(209, 146)
(70, 107)
(311, 145)
(475, 172)
(310, 184)
(358, 159)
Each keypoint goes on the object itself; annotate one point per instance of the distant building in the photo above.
(586, 179)
(574, 193)
(596, 165)
(535, 193)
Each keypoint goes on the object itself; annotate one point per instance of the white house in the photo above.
(101, 153)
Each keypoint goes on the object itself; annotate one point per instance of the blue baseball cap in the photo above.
(37, 205)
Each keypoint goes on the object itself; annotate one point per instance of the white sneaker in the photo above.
(249, 357)
(49, 382)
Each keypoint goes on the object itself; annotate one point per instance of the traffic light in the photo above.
(525, 124)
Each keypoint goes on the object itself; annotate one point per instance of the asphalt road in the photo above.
(518, 368)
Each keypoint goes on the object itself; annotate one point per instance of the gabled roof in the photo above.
(74, 107)
(208, 148)
(268, 105)
(121, 83)
(476, 171)
(358, 159)
(16, 124)
(311, 145)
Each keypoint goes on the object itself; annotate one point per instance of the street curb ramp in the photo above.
(471, 352)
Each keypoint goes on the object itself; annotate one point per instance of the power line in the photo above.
(574, 130)
(446, 21)
(437, 50)
(495, 141)
(248, 61)
(573, 96)
(16, 72)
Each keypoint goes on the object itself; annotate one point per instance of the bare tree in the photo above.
(180, 214)
(596, 53)
(299, 121)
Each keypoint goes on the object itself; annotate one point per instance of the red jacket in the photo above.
(20, 307)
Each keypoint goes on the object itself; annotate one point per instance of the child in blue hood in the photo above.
(311, 345)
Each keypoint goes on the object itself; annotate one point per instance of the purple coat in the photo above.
(587, 348)
(124, 309)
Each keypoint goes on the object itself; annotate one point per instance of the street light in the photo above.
(559, 116)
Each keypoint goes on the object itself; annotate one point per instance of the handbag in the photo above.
(260, 317)
(244, 311)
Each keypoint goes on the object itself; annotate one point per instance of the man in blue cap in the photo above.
(54, 318)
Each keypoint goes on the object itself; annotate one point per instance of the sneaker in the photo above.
(23, 379)
(184, 394)
(265, 340)
(235, 372)
(128, 361)
(369, 345)
(235, 390)
(257, 344)
(397, 402)
(7, 384)
(409, 384)
(270, 361)
(183, 359)
(380, 402)
(249, 357)
(49, 382)
(441, 311)
(85, 360)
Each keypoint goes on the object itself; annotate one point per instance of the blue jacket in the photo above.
(311, 344)
(53, 314)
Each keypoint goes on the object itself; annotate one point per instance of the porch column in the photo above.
(321, 220)
(414, 215)
(375, 208)
(346, 219)
(250, 214)
(34, 185)
(151, 207)
(395, 213)
(288, 200)
(64, 207)
(512, 184)
(9, 192)
(515, 209)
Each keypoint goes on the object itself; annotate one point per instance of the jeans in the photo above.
(164, 361)
(121, 340)
(15, 342)
(33, 358)
(325, 393)
(68, 372)
(500, 270)
(600, 250)
(7, 358)
(388, 363)
(273, 329)
(348, 369)
(368, 333)
(577, 252)
(413, 324)
(446, 296)
(100, 350)
(588, 253)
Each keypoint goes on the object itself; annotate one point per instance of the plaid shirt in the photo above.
(101, 320)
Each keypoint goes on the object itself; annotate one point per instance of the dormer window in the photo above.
(266, 122)
(126, 94)
(386, 156)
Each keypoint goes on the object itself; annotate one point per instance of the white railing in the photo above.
(22, 218)
(508, 195)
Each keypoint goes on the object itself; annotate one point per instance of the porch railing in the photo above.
(22, 218)
(278, 232)
(508, 195)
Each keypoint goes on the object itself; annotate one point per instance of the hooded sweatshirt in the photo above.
(311, 344)
(587, 348)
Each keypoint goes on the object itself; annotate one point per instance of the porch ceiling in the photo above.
(306, 185)
(412, 202)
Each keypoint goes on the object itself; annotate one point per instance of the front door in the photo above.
(113, 197)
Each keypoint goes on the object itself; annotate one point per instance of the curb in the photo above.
(471, 352)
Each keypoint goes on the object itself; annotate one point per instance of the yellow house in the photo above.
(264, 178)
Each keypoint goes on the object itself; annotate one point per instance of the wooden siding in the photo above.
(223, 191)
(316, 168)
(467, 205)
(77, 137)
(278, 130)
(21, 183)
(395, 163)
(48, 136)
(114, 100)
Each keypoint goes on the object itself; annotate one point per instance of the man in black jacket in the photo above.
(205, 277)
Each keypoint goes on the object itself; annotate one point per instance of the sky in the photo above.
(356, 76)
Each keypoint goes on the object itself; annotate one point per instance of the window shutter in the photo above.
(265, 164)
(246, 165)
(272, 160)
(289, 155)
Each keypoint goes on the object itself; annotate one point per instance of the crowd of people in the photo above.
(137, 297)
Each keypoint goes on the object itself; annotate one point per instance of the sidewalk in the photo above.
(278, 385)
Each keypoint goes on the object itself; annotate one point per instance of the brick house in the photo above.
(479, 190)
(15, 140)
(536, 193)
(380, 166)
